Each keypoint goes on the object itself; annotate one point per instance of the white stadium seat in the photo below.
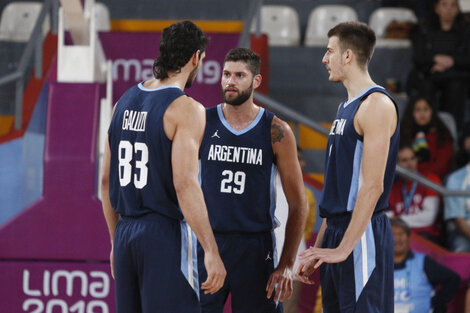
(281, 24)
(102, 20)
(382, 17)
(18, 19)
(464, 6)
(322, 19)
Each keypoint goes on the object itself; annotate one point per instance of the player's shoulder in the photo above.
(279, 130)
(187, 105)
(379, 98)
(377, 105)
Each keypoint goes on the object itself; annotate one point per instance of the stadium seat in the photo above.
(464, 6)
(103, 21)
(18, 19)
(382, 17)
(449, 121)
(322, 19)
(281, 24)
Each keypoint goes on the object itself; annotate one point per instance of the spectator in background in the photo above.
(432, 143)
(415, 204)
(463, 154)
(457, 209)
(416, 277)
(292, 305)
(421, 8)
(441, 56)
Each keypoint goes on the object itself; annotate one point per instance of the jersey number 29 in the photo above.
(125, 168)
(238, 178)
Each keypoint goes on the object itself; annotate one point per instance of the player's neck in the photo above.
(178, 80)
(356, 82)
(240, 116)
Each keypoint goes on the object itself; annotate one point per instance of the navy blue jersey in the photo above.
(343, 162)
(237, 173)
(141, 178)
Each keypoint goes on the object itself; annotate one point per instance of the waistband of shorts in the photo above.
(149, 216)
(239, 233)
(345, 218)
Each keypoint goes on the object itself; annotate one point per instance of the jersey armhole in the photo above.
(361, 138)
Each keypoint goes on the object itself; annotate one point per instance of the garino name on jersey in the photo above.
(234, 154)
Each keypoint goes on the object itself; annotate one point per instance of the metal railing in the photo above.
(296, 117)
(33, 48)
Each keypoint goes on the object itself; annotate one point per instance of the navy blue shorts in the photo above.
(249, 261)
(155, 266)
(363, 283)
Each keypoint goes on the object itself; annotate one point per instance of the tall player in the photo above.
(361, 155)
(150, 185)
(243, 143)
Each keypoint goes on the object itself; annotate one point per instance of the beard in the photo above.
(240, 98)
(191, 78)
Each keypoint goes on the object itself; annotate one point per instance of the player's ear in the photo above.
(347, 56)
(257, 81)
(195, 58)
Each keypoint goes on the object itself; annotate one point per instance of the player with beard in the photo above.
(150, 186)
(243, 146)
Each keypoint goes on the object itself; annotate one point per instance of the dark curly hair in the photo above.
(247, 56)
(177, 45)
(409, 128)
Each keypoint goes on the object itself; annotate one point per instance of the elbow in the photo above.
(104, 182)
(182, 185)
(374, 189)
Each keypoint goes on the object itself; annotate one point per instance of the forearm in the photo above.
(365, 204)
(109, 214)
(462, 227)
(191, 201)
(294, 232)
(467, 301)
(320, 235)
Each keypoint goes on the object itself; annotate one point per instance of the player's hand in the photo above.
(111, 260)
(215, 273)
(304, 270)
(322, 255)
(283, 277)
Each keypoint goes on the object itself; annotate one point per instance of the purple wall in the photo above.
(133, 55)
(67, 222)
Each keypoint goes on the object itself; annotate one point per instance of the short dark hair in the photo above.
(398, 222)
(356, 36)
(247, 56)
(178, 43)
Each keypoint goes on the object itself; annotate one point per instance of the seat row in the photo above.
(281, 23)
(18, 19)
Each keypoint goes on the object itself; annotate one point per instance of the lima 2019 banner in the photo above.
(133, 55)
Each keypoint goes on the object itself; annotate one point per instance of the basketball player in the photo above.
(357, 253)
(150, 185)
(242, 146)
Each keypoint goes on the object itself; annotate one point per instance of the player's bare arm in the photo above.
(184, 123)
(376, 121)
(304, 270)
(285, 151)
(108, 211)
